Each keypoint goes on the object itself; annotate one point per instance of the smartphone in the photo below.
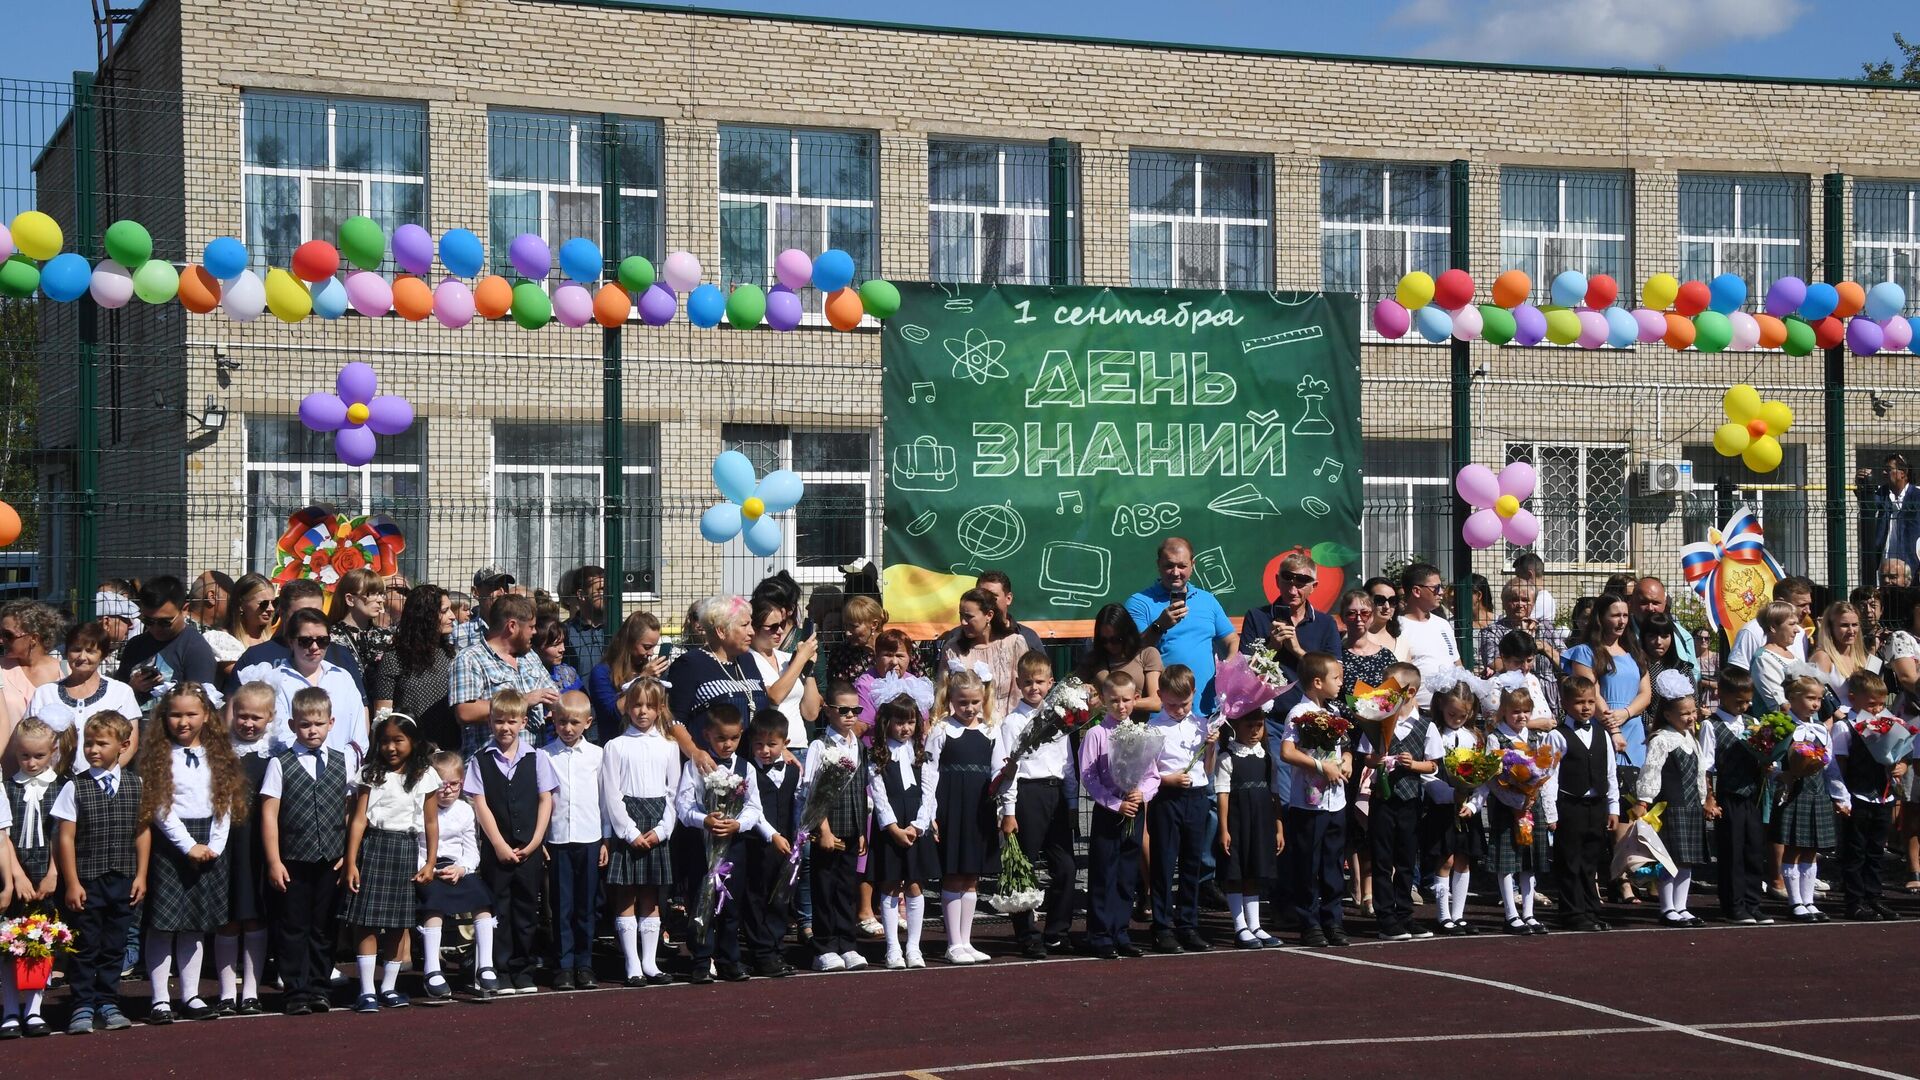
(1178, 595)
(664, 650)
(806, 634)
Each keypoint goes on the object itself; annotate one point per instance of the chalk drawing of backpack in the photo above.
(925, 464)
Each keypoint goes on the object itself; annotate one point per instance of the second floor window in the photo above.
(549, 174)
(990, 213)
(1200, 221)
(1378, 222)
(784, 188)
(309, 163)
(1752, 226)
(1886, 233)
(1564, 219)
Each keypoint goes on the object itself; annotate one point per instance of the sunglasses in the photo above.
(1382, 601)
(1300, 581)
(846, 710)
(310, 642)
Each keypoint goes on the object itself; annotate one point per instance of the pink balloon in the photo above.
(453, 303)
(1899, 333)
(1477, 485)
(1467, 323)
(1390, 319)
(794, 269)
(1593, 328)
(6, 243)
(369, 293)
(572, 305)
(1517, 480)
(1522, 528)
(1653, 325)
(681, 272)
(1746, 332)
(1481, 529)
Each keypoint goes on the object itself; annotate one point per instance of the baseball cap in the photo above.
(492, 577)
(106, 604)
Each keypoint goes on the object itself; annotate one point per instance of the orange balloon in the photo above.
(1679, 331)
(9, 524)
(492, 296)
(611, 306)
(1773, 332)
(411, 298)
(844, 309)
(1852, 299)
(1512, 288)
(199, 290)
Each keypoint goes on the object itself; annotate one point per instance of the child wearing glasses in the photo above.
(309, 638)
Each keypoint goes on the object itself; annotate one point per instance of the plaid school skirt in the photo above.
(388, 860)
(1806, 818)
(183, 895)
(1505, 855)
(654, 866)
(1684, 830)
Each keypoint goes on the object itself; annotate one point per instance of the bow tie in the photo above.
(193, 759)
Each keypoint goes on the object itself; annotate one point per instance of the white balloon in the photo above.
(244, 297)
(1746, 331)
(112, 285)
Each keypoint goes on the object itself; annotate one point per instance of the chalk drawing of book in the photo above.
(925, 464)
(1074, 575)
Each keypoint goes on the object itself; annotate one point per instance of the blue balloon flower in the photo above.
(751, 504)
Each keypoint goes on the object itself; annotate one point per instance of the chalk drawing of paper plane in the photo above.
(1287, 337)
(1244, 502)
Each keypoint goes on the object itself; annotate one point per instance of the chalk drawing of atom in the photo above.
(976, 356)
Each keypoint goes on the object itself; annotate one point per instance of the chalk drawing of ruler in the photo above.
(1289, 337)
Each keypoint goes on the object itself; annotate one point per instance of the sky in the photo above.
(1799, 38)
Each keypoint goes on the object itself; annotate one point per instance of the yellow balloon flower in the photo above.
(1753, 428)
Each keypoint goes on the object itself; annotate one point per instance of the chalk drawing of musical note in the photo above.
(1329, 463)
(917, 387)
(1070, 497)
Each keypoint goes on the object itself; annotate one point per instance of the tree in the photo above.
(19, 406)
(1883, 71)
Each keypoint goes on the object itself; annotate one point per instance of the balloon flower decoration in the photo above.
(1497, 500)
(751, 504)
(1753, 428)
(321, 544)
(355, 414)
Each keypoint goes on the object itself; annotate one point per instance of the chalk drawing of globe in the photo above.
(992, 533)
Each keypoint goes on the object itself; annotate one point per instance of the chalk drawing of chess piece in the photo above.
(1312, 420)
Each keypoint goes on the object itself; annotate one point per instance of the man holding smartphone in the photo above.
(169, 650)
(1183, 621)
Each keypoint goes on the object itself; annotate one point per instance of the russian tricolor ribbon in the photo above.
(1741, 541)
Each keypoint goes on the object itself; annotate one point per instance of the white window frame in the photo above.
(307, 471)
(1543, 279)
(1403, 235)
(1718, 243)
(868, 478)
(1895, 249)
(545, 189)
(1406, 489)
(809, 314)
(1173, 221)
(307, 176)
(1029, 216)
(1581, 501)
(547, 514)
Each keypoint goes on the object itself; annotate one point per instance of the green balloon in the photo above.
(636, 275)
(746, 306)
(363, 242)
(880, 298)
(1800, 338)
(531, 307)
(1712, 332)
(129, 243)
(19, 277)
(156, 281)
(1496, 324)
(1563, 325)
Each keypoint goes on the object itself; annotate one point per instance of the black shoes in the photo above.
(1191, 941)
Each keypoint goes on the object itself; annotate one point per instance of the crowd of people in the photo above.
(274, 773)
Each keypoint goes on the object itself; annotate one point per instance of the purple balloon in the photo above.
(1785, 296)
(657, 305)
(572, 305)
(1652, 325)
(413, 248)
(323, 412)
(1593, 328)
(1529, 325)
(783, 309)
(1864, 336)
(356, 383)
(1482, 529)
(530, 256)
(389, 415)
(353, 446)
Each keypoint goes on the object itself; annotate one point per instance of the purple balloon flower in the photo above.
(355, 414)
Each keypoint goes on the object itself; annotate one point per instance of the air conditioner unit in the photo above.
(1665, 475)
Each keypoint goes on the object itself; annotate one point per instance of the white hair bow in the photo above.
(895, 685)
(1672, 685)
(978, 667)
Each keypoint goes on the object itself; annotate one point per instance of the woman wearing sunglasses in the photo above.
(249, 622)
(308, 635)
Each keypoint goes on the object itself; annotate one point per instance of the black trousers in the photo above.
(1580, 848)
(1393, 832)
(763, 923)
(100, 939)
(1863, 840)
(1113, 875)
(1177, 823)
(1046, 834)
(576, 895)
(722, 938)
(516, 906)
(1311, 865)
(836, 898)
(1740, 846)
(305, 919)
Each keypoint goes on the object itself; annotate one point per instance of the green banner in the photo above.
(1060, 434)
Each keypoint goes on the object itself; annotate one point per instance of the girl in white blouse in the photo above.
(456, 888)
(1676, 773)
(639, 781)
(385, 858)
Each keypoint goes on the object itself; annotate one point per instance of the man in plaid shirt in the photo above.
(504, 658)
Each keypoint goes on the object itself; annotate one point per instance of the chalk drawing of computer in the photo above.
(1074, 575)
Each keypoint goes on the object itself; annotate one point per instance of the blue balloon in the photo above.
(1432, 321)
(1821, 299)
(580, 259)
(733, 475)
(1726, 293)
(1570, 289)
(1622, 328)
(832, 270)
(1885, 300)
(330, 299)
(1913, 343)
(461, 253)
(224, 258)
(65, 277)
(706, 305)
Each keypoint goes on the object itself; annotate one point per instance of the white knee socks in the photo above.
(1250, 907)
(253, 951)
(483, 928)
(649, 945)
(916, 917)
(1442, 905)
(389, 976)
(158, 949)
(627, 929)
(1682, 887)
(1237, 907)
(364, 964)
(430, 949)
(226, 964)
(1666, 895)
(188, 952)
(1457, 892)
(1508, 898)
(953, 910)
(1526, 894)
(890, 921)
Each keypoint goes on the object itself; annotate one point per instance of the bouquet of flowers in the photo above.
(1067, 709)
(30, 941)
(1019, 887)
(1525, 771)
(1321, 733)
(723, 793)
(1804, 759)
(1467, 769)
(837, 766)
(1131, 754)
(1248, 681)
(1886, 737)
(1768, 737)
(1377, 703)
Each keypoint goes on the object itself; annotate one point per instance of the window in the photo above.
(290, 468)
(548, 172)
(782, 188)
(838, 519)
(1378, 222)
(1886, 233)
(1553, 220)
(989, 213)
(547, 502)
(310, 163)
(1779, 498)
(1581, 500)
(1200, 221)
(1753, 226)
(1408, 504)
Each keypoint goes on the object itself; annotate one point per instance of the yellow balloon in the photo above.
(286, 297)
(1778, 417)
(1731, 439)
(38, 236)
(1742, 403)
(1764, 455)
(1563, 325)
(1660, 291)
(753, 508)
(1506, 506)
(1415, 290)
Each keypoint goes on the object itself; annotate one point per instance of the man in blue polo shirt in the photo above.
(1290, 627)
(1183, 621)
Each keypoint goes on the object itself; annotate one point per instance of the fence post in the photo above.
(86, 227)
(1059, 194)
(1461, 454)
(613, 443)
(1836, 395)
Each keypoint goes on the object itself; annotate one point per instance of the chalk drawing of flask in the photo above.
(1312, 421)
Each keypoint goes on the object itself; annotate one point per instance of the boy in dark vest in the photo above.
(102, 852)
(722, 936)
(1737, 779)
(763, 921)
(1589, 803)
(1867, 812)
(305, 797)
(511, 788)
(1393, 815)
